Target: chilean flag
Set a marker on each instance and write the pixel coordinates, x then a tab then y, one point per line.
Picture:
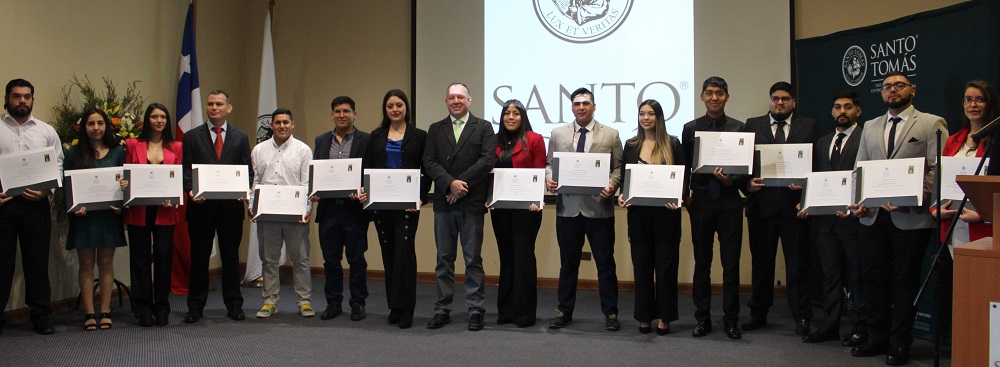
188	115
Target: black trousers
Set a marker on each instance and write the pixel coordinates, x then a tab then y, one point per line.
396	231
150	264
708	217
891	259
344	229
764	234
600	232
516	231
202	233
29	223
655	236
841	261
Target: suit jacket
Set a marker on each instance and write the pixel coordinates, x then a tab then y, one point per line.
630	155
470	160
917	140
822	163
605	140
769	201
200	149
135	153
531	157
414	143
699	182
359	147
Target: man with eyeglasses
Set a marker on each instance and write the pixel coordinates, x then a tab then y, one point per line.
895	238
771	215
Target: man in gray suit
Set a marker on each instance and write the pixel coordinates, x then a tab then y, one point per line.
895	238
458	158
586	215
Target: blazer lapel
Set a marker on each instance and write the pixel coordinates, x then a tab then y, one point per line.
210	144
765	129
794	130
911	121
142	149
598	134
355	144
467	132
880	125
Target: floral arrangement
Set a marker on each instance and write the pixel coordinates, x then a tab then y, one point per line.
124	110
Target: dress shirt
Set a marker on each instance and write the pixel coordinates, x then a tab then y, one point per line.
774	125
847	135
590	135
211	130
33	134
899	127
342	149
465	121
287	164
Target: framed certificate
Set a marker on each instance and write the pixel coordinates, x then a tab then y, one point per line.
220	181
782	164
731	151
826	193
954	166
334	178
34	169
152	184
517	188
896	181
581	173
279	203
392	189
95	189
653	184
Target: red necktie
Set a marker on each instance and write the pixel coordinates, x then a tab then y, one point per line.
218	142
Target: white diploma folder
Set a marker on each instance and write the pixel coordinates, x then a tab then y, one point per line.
392	189
220	181
826	193
783	164
896	181
34	169
334	178
280	203
94	188
581	173
517	188
152	184
653	184
731	151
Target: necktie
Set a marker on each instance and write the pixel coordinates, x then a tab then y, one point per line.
835	156
779	133
457	129
583	140
892	136
714	186
218	142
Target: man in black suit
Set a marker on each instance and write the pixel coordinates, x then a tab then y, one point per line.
714	207
458	158
837	238
343	227
208	218
771	215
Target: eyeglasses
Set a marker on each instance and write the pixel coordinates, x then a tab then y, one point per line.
969	100
897	85
777	99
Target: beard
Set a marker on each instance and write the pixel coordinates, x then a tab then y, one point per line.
19	111
845	123
903	101
781	116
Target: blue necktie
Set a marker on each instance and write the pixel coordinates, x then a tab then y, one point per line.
583	140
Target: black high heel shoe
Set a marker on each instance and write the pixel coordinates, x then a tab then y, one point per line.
406	319
663	331
645	329
86	322
105	325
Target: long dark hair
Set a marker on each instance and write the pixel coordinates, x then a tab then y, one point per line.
144	135
385	116
86	152
503	136
662	153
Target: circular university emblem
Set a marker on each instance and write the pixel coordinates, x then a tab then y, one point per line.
854	66
582	21
264	128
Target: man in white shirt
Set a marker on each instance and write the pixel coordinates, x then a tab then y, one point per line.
26	218
284	160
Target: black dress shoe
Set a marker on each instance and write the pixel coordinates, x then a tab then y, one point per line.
503	320
802	327
645	329
611	323
145	320
394	315
523	322
236	314
755	323
358	313
331	312
733	332
663	331
405	319
438	321
820	336
855	339
44	327
476	322
161	320
193	316
869	349
897	355
562	320
702	329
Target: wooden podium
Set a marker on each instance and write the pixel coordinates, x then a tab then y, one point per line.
977	277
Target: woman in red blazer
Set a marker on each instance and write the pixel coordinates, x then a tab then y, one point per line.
151	229
516	229
980	106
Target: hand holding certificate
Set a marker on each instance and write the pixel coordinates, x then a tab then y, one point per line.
517	188
334	178
783	164
153	184
581	173
953	166
278	203
94	189
220	181
653	184
731	151
392	189
826	193
34	169
896	181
